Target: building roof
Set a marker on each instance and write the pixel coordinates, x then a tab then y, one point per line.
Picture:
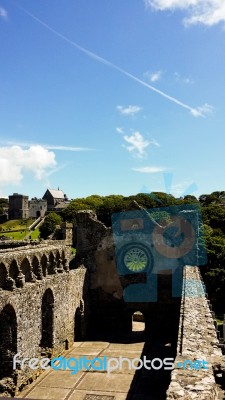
57	194
61	205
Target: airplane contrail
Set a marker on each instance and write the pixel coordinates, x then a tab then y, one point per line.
197	112
46	146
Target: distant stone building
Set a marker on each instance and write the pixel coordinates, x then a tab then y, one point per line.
56	199
37	208
18	206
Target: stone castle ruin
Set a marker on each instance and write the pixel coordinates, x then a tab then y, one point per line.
48	300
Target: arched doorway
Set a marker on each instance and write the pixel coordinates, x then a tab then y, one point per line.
138	322
47	320
8	342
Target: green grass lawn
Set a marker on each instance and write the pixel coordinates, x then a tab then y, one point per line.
16	224
14	235
35	234
21	234
18	229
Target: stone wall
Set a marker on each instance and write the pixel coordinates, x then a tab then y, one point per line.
11	244
109	312
197	340
43	307
30	263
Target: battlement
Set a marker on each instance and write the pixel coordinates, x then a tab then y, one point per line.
30	263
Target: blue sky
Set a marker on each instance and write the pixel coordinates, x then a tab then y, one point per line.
112	97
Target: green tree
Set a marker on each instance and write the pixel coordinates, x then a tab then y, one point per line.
49	224
88	203
215	283
189	199
214	216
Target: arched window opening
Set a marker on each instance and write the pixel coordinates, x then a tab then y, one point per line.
26	270
13	270
47	320
3	276
36	268
8	341
44	265
51	266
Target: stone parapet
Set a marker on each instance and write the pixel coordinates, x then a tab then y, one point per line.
31	263
197	340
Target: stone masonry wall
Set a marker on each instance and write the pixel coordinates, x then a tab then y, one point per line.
39	300
197	341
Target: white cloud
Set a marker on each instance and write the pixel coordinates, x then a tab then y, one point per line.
3	13
137	144
202	110
154	76
15	161
130	110
149	169
119	129
181	79
207	12
153	141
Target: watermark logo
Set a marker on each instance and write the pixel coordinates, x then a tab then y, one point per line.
153	241
104	364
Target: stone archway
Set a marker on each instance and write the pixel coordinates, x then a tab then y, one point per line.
8	348
51	264
13	270
44	265
58	262
47	320
26	270
36	268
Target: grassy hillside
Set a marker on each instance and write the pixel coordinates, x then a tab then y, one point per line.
17	229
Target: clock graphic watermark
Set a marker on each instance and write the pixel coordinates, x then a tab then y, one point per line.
154	241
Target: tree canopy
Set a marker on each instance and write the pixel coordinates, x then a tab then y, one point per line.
51	221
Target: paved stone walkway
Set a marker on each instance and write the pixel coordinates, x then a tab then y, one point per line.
90	385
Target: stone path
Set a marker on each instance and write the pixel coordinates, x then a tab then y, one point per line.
120	384
89	385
